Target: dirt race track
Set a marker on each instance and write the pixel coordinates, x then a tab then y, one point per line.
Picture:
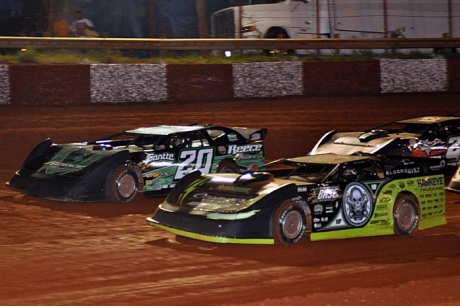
54	253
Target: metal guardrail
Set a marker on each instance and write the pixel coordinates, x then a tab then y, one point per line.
224	44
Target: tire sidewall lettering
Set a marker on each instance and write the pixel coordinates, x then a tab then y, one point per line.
414	226
121	174
416	219
281	219
283	215
120	177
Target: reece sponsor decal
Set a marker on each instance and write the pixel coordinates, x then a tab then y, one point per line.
234	149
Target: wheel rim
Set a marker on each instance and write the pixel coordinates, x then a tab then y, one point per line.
126	186
292	224
406	216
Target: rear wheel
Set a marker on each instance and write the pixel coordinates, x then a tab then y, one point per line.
227	166
123	184
405	215
289	223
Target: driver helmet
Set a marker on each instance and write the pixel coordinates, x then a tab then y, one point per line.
178	142
350	173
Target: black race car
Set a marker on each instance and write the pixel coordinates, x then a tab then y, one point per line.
430	136
334	196
149	159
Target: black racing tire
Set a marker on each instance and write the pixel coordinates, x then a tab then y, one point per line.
289	223
123	184
405	214
227	166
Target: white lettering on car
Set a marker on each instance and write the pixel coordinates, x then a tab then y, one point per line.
234	149
453	145
194	160
162	156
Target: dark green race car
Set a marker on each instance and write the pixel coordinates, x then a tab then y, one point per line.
148	159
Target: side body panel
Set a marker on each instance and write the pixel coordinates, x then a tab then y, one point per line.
430	195
169	168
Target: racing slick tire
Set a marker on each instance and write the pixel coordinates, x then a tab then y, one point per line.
227	166
405	215
290	223
123	184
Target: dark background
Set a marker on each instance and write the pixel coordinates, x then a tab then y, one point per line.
117	18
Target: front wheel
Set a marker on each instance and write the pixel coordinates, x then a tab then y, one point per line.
289	223
123	184
405	215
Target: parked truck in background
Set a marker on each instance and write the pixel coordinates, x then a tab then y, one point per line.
339	19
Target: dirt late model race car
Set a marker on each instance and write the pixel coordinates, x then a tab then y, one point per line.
148	159
429	136
330	196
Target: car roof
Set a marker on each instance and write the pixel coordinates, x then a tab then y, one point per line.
428	119
165	129
328	159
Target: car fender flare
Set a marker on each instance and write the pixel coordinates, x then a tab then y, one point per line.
108	163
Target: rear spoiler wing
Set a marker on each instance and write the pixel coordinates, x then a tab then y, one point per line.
258	135
252	134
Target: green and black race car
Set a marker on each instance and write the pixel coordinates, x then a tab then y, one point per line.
333	196
149	159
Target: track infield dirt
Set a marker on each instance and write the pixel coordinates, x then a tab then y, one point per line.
55	253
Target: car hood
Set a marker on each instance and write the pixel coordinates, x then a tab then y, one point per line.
74	159
348	143
226	193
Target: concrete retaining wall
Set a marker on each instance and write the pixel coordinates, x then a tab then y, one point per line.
114	83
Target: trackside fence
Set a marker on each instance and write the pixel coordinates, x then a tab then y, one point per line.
228	44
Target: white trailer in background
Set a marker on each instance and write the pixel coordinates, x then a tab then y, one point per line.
339	19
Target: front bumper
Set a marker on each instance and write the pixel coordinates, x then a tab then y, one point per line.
61	188
254	230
